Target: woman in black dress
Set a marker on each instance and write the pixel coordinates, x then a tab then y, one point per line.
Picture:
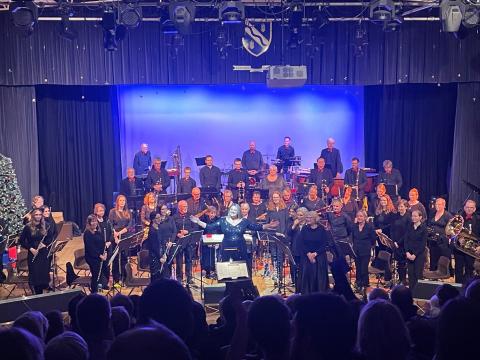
401	220
35	238
415	242
159	242
105	228
120	219
438	243
313	240
364	238
95	250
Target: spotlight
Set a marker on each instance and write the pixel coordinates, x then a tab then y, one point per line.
361	40
167	25
231	12
65	28
182	13
451	15
382	10
130	13
24	15
320	18
112	33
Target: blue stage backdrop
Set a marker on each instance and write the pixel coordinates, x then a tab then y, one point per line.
220	120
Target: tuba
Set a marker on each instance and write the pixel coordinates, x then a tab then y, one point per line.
462	238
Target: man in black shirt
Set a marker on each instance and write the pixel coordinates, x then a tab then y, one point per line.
463	262
332	158
258	209
157	179
252	160
357	179
390	176
322	177
130	186
186	184
285	153
184	228
237	178
210	175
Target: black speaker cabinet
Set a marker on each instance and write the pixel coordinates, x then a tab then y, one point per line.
10	309
425	289
212	294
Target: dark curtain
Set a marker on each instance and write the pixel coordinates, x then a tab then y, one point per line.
78	141
412	125
416	53
466	147
18	136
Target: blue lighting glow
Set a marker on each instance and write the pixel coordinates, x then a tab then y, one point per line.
220	120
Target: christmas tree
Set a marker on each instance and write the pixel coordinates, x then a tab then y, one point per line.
12	205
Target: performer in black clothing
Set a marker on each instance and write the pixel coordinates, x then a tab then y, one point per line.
383	219
312	201
415	242
252	161
157	179
340	223
131	186
289	200
161	235
142	160
414	204
350	206
49	222
95	250
186	183
401	221
258	209
294	233
321	176
226	203
210	175
313	239
105	228
184	227
463	262
208	251
37	203
332	158
196	205
374	199
438	243
390	176
285	153
364	238
35	238
237	179
120	219
357	179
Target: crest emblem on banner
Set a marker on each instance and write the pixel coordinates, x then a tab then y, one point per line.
257	37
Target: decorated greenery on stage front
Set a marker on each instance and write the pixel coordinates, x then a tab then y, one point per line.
12	205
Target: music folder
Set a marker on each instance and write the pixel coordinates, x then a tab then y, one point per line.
231	270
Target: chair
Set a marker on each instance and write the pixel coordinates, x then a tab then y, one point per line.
143	265
134	282
22	261
15	280
442	272
80	264
383	256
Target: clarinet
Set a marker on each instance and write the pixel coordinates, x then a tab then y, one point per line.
104	251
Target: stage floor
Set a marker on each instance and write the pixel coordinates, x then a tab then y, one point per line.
264	284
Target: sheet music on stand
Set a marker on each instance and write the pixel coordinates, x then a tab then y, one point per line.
273	238
231	270
192	238
386	241
124	244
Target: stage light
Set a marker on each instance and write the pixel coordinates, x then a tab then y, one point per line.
451	15
130	13
471	16
295	25
24	15
65	29
320	18
182	13
231	12
382	10
361	40
112	33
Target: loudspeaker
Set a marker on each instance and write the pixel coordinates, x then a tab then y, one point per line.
425	289
212	294
12	308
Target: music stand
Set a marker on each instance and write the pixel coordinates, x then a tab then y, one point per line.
231	270
200	161
56	247
346	248
392	190
283	249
